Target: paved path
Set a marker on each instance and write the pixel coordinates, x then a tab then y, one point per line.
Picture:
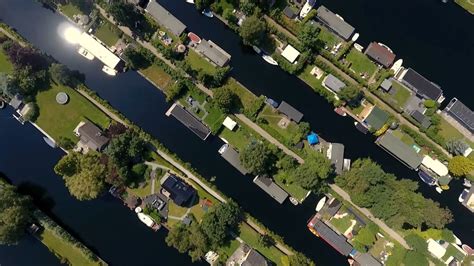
11	36
179	218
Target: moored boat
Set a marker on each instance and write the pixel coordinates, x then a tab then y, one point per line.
294	201
340	111
426	178
194	37
109	71
467	183
320	204
256	49
270	60
85	54
463	195
50	142
468	249
190	1
208	13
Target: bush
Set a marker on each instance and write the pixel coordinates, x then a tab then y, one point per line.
33	113
66	143
254	108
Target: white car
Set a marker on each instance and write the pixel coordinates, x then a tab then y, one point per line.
109	71
85	54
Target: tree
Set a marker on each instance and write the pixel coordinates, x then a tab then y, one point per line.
125	14
220	221
27	81
460	166
456	147
300	259
253	30
351	94
188	239
32	113
257	158
415	258
429	103
175	90
228	15
248	7
15	214
202	4
417	243
311	174
69	165
61	74
224	98
286	163
365	237
308	37
266	241
137	58
65	143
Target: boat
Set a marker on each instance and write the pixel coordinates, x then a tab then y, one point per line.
208	13
468	249
340	111
256	49
383	45
355	37
307	8
2	104
358	47
85	54
457	240
269	60
426	178
194	37
146	219
438	189
190	1
50	142
463	195
294	201
321	203
346	164
467	183
363	129
397	66
109	71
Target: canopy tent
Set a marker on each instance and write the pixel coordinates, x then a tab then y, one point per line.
313	138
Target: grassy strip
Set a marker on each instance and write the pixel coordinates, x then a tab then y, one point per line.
251	237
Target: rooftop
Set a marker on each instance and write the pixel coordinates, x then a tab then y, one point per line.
336	154
421	85
338	242
96	48
271	188
213	52
335	22
290	53
229	123
164	18
290	111
386	85
334	83
190	121
435	165
380	54
461	113
91	136
16	102
421	118
400	150
377	118
469	201
246	256
232	156
180	192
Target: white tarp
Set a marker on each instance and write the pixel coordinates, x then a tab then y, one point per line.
435	165
290	53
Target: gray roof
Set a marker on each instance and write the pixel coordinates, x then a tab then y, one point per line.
377	118
232	156
254	259
421	118
92	136
337	157
165	18
386	85
334	22
467	199
380	54
400	150
461	113
190	121
290	111
337	241
213	52
288	11
16	102
365	259
421	85
334	83
271	188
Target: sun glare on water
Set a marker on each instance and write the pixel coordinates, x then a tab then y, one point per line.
71	34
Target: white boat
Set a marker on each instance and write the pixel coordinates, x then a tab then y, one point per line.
463	195
85	54
397	65
320	204
355	37
146	219
383	45
457	240
208	13
467	183
358	47
270	60
438	189
307	8
256	49
294	201
190	1
109	71
50	142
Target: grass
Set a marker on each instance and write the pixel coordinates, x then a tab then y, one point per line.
214	118
175	210
5	65
286	134
294	190
402	94
64	250
360	63
342	224
240	137
246	97
108	33
70	10
452	251
310	79
158	76
448	132
198	62
466	4
329	38
251	237
145	190
60	120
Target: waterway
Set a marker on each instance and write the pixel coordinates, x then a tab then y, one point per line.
145	105
110	229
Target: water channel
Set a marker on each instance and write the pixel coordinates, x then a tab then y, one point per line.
145	105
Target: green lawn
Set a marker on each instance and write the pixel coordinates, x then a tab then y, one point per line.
310	79
175	210
329	38
251	237
452	251
360	63
449	132
401	95
286	135
70	10
64	250
246	97
294	190
214	118
5	64
228	248
466	4
240	137
60	120
197	62
145	190
108	33
342	224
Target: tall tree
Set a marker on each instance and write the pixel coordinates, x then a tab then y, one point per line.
219	222
253	30
224	98
308	37
257	158
61	74
460	166
202	4
300	259
351	95
311	174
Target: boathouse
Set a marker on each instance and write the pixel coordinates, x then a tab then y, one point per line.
213	52
376	119
178	190
90	136
232	157
461	113
272	189
380	54
335	153
334	84
165	18
290	112
335	23
290	53
337	241
421	85
400	150
189	120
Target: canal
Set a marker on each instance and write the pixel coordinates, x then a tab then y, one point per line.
110	229
144	105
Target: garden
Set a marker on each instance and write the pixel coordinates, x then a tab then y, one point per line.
360	63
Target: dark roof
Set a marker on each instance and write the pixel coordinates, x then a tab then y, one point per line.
338	242
421	85
461	113
196	126
288	11
290	111
334	22
337	156
400	150
386	84
377	118
365	259
333	83
180	192
232	156
333	207
213	52
92	136
271	188
421	118
164	18
254	259
362	128
380	54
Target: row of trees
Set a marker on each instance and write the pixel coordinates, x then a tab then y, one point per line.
370	187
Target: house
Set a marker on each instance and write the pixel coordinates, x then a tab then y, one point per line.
213	52
421	85
424	121
461	113
386	85
178	190
400	150
290	112
333	83
232	157
229	123
165	18
100	51
289	13
335	153
365	259
380	54
337	241
335	23
159	202
317	72
376	119
90	136
246	256
272	189
290	53
189	120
